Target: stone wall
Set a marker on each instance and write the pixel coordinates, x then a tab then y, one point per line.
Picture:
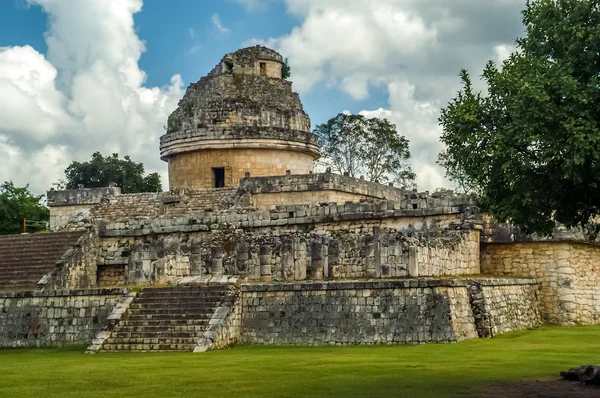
568	272
72	203
195	169
111	275
312	189
77	268
498	305
270	201
37	319
457	254
390	312
176	203
264	256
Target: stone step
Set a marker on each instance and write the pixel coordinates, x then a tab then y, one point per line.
134	317
197	328
127	334
180	296
177	300
184	289
41	236
25	266
155	340
163	322
183	307
147	347
176	307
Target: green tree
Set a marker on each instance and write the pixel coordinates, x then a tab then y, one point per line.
530	146
18	203
286	70
358	145
100	170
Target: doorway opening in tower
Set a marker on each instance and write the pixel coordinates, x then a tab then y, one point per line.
219	176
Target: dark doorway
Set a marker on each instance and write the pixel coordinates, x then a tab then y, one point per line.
219	173
263	69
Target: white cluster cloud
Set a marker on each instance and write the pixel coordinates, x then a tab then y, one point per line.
88	94
414	49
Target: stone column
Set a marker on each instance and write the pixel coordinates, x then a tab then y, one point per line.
287	259
413	264
317	263
216	263
265	263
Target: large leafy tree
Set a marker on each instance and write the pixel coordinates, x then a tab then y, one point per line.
17	203
530	146
372	147
101	170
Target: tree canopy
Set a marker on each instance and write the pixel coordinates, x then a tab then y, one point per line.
530	145
286	70
100	170
372	147
17	203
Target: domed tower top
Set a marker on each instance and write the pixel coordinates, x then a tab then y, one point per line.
241	118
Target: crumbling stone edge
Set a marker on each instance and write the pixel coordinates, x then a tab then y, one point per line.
223	328
113	321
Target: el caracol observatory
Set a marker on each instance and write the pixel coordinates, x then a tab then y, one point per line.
241	119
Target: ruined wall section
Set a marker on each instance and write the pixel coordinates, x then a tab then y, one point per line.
355	240
381	312
69	205
54	318
498	305
222	103
268	193
176	203
247	61
289	257
77	268
568	273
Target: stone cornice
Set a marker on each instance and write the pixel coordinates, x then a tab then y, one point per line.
176	146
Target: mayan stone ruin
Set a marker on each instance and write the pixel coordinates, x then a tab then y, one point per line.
252	245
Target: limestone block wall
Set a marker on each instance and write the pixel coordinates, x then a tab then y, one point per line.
194	169
177	203
270	201
54	318
62	215
67	204
77	268
438	257
569	275
380	312
260	256
498	305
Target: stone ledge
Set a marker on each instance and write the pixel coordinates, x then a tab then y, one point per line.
390	284
65	293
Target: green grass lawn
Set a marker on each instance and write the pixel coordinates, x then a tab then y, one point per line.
261	371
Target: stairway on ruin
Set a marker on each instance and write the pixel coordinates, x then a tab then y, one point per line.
166	319
25	259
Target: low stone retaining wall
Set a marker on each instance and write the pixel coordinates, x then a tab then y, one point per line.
568	273
503	305
36	319
384	312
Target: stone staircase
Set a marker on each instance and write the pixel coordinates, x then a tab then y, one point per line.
25	259
166	319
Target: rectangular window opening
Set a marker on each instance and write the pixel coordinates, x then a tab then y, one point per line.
219	174
263	69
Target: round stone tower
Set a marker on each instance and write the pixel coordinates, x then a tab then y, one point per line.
240	118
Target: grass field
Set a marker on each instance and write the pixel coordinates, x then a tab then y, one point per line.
260	371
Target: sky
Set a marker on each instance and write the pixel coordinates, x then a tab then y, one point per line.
79	76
